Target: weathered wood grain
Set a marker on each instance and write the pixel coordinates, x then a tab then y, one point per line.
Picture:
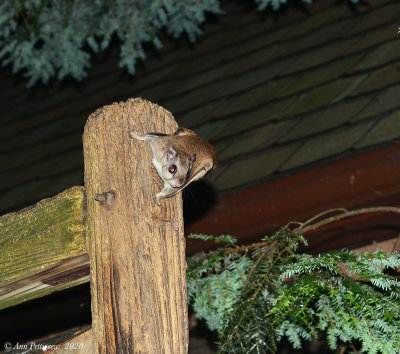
136	247
38	237
66	274
40	242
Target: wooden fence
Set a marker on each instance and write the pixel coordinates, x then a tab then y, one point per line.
135	247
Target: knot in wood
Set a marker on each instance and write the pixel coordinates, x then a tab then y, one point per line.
106	198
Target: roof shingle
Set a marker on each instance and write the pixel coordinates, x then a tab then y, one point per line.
274	94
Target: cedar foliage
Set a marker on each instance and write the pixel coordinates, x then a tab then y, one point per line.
255	295
44	39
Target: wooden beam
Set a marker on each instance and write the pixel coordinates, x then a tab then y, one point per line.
66	274
388	246
370	179
136	247
81	343
39	242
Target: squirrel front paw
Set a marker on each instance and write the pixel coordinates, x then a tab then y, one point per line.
136	135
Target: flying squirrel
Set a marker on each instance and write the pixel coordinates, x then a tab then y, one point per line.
179	158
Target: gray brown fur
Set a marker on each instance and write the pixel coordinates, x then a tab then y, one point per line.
192	155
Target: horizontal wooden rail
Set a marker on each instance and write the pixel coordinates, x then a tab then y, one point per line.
43	248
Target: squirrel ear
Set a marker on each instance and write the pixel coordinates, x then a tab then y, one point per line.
171	153
180	131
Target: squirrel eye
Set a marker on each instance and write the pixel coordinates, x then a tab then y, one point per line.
172	169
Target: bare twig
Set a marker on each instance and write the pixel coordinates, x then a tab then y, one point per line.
318	216
259	259
396	246
311	225
22	13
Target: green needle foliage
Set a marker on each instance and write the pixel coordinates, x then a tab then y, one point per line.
255	295
44	38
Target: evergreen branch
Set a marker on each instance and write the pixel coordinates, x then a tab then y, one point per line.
253	297
45	38
257	294
259	259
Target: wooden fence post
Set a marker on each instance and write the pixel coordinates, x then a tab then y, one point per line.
136	247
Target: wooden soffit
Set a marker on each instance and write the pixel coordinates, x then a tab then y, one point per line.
370	179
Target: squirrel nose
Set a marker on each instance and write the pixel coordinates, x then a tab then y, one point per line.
178	182
181	181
